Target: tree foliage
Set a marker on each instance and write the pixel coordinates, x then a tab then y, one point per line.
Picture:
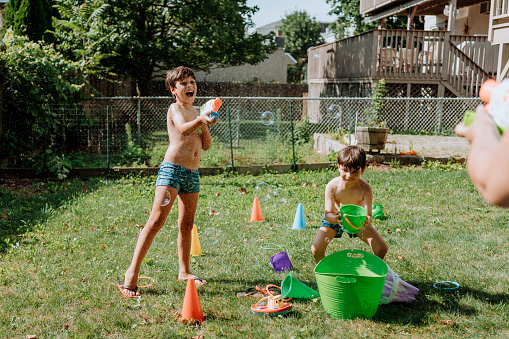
141	37
29	17
351	21
301	32
82	34
33	77
348	12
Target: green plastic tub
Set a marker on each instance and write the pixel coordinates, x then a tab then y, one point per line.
350	283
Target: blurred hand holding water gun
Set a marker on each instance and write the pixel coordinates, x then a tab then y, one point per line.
496	97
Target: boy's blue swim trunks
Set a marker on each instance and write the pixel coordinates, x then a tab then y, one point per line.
337	228
183	179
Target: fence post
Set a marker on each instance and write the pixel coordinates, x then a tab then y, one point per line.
237	137
349	126
231	140
340	115
138	119
108	137
440	109
294	166
45	143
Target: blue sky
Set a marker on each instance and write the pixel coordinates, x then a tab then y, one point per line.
274	10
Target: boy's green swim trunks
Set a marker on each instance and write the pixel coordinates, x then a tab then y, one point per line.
338	229
181	178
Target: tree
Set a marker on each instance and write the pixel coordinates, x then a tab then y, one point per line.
29	17
348	12
81	34
34	77
349	16
150	35
300	32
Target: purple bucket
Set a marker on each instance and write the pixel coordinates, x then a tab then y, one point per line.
281	262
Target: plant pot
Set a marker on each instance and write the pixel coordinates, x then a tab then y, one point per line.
371	138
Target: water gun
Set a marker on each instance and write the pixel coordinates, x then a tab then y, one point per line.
496	97
213	105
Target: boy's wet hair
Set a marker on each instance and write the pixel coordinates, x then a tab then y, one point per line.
177	74
352	157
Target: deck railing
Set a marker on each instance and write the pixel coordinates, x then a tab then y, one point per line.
460	63
499	21
410	54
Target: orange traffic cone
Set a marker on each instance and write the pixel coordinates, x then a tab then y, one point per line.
256	214
195	243
192	307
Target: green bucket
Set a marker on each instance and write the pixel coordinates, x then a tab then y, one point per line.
352	216
350	283
378	212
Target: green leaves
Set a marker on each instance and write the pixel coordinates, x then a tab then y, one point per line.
348	12
33	75
146	35
300	32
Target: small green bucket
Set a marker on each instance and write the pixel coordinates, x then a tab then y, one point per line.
352	216
350	283
378	212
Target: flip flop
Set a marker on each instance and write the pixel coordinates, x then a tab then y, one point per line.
198	281
122	289
251	292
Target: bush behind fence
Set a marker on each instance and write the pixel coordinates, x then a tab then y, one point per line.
99	125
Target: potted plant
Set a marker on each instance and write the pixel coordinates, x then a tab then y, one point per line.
374	135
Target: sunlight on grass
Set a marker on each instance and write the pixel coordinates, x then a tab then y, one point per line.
65	245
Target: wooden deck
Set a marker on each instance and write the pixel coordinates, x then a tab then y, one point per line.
459	63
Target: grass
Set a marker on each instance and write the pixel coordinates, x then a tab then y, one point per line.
64	246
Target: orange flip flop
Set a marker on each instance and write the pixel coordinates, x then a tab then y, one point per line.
122	289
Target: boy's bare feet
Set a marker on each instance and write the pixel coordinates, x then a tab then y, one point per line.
185	276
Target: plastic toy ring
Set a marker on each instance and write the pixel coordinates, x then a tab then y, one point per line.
152	279
270	246
447	285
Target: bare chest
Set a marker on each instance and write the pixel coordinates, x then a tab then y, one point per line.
189	114
350	196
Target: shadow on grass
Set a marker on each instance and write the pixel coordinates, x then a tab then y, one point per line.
416	313
449	301
26	203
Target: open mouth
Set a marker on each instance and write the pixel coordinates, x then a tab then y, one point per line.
189	94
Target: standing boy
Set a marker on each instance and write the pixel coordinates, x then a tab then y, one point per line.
348	188
178	175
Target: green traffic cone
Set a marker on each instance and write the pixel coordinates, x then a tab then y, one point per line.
291	287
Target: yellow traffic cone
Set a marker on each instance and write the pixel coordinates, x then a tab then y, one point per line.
195	243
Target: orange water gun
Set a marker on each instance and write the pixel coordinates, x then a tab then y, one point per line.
211	105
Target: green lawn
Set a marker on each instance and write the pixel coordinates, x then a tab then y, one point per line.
65	245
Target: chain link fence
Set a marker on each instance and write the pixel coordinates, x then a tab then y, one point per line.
250	131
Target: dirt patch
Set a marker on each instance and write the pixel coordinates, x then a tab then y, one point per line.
380	168
428	145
